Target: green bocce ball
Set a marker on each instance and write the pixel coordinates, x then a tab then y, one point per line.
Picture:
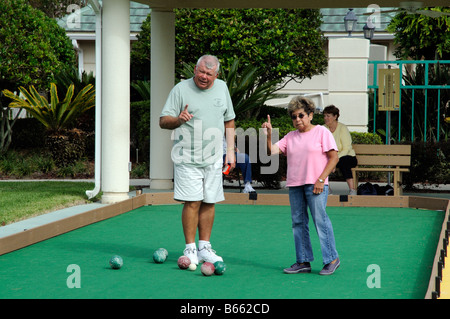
165	251
116	262
159	256
220	267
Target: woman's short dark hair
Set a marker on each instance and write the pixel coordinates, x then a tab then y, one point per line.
331	109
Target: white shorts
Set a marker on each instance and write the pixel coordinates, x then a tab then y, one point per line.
198	183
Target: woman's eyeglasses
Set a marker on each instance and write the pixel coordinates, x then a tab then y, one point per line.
300	116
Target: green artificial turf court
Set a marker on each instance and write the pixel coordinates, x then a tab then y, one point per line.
256	244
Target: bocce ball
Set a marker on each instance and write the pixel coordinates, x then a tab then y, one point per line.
165	251
184	262
220	267
207	269
192	267
159	256
116	262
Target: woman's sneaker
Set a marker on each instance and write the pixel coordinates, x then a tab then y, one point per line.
208	254
248	188
191	253
298	268
330	268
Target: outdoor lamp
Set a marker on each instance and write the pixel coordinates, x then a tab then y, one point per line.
368	29
350	22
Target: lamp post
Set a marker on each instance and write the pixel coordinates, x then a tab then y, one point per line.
350	22
368	29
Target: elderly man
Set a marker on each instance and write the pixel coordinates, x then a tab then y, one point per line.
198	110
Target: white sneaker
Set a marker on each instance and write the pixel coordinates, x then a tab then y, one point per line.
191	254
352	192
248	188
208	254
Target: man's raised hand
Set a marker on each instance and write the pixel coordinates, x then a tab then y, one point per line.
184	115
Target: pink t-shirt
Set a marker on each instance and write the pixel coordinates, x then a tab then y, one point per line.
306	154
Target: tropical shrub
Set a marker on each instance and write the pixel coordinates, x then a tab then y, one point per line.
418	36
65	142
56	115
142	88
86	120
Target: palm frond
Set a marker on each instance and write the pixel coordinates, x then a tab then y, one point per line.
56	115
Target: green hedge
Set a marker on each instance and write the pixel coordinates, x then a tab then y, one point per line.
365	138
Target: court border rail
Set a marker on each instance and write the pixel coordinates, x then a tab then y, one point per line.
40	233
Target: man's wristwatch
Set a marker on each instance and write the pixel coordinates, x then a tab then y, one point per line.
321	180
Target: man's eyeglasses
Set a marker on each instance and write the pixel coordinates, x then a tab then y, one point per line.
300	116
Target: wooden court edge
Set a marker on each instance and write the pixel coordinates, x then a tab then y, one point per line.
52	229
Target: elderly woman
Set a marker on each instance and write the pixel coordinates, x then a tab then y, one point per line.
311	156
346	154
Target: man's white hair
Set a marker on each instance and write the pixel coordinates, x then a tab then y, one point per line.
211	62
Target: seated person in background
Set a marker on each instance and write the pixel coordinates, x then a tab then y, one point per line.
341	134
243	163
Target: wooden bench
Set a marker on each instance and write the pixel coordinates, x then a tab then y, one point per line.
383	158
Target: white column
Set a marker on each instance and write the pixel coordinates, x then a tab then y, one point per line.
377	53
116	100
347	80
162	81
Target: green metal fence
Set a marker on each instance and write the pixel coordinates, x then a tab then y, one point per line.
435	83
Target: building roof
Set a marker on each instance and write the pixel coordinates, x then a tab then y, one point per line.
333	19
138	13
244	4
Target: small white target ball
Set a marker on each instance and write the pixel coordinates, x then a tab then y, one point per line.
192	267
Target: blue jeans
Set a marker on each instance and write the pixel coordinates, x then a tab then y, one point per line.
243	163
300	198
